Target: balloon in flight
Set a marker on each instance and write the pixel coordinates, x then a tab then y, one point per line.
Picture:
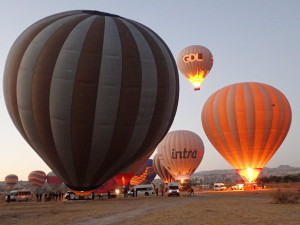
161	171
195	62
181	152
11	180
90	92
246	123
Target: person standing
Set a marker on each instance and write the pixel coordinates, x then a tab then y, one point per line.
156	191
162	191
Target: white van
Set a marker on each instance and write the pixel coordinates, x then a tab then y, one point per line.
144	189
173	189
219	187
18	195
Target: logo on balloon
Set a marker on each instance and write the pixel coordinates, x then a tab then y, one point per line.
186	154
193	57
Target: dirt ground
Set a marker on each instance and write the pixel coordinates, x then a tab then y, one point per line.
218	208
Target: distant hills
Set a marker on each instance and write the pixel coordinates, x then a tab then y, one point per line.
231	176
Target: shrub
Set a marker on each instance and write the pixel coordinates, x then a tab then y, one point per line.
285	197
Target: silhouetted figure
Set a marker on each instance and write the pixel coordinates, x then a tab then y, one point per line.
156	191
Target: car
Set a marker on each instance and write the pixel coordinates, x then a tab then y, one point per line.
173	189
219	187
70	195
238	187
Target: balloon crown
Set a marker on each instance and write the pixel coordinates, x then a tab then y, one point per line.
95	12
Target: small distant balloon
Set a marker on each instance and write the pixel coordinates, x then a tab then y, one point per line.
37	179
195	62
54	181
11	180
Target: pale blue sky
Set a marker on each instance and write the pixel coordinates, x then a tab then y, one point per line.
255	40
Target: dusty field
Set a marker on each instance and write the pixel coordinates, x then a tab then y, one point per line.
221	208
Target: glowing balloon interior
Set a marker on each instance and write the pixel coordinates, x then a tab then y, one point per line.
181	152
195	62
246	123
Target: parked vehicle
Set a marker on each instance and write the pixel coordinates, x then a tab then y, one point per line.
18	195
219	187
238	187
173	189
145	189
70	195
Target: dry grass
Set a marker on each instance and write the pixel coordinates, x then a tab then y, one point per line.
220	208
286	196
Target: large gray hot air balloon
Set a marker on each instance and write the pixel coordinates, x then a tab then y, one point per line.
90	92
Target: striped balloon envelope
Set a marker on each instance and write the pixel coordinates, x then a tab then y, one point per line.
161	171
90	92
246	123
54	181
11	180
37	179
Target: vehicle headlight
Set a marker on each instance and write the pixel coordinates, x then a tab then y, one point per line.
170	191
117	191
177	190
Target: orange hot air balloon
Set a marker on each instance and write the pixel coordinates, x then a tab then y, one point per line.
246	123
181	152
161	171
195	62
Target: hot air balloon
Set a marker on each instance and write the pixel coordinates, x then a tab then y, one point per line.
145	175
54	181
161	171
195	62
107	186
11	180
181	152
37	179
246	123
123	178
90	92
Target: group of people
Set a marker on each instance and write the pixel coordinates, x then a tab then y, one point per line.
49	197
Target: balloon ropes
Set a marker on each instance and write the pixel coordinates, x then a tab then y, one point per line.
195	62
246	123
90	92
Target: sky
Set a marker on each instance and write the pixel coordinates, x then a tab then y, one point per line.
255	41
